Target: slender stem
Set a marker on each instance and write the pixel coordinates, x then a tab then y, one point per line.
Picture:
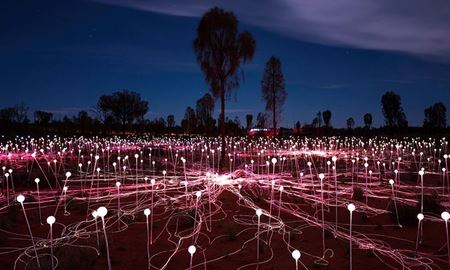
31	235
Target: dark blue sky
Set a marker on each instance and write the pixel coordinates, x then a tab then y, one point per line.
62	55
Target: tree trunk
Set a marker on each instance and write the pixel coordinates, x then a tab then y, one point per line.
274	123
222	120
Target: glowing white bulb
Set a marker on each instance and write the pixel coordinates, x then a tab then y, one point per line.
94	214
445	216
258	212
296	255
321	176
68	174
334	160
20	198
192	249
420	216
351	207
274	160
391	182
37	180
421	173
51	220
136	155
118	184
102	211
147	212
198	194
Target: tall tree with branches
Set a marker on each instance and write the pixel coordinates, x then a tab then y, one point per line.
272	88
220	50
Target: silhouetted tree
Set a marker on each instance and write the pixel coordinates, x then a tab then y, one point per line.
204	109
317	121
220	50
298	125
84	122
272	88
326	115
435	116
249	121
393	111
42	117
350	123
367	120
170	121
7	114
14	118
126	107
189	122
21	113
261	120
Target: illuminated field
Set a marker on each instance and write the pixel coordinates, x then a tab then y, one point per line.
175	203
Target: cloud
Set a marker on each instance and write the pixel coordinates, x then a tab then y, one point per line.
416	27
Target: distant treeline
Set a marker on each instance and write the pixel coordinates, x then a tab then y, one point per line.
122	113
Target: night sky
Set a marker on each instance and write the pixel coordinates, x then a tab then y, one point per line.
60	56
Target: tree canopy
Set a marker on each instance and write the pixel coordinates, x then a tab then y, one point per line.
125	106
